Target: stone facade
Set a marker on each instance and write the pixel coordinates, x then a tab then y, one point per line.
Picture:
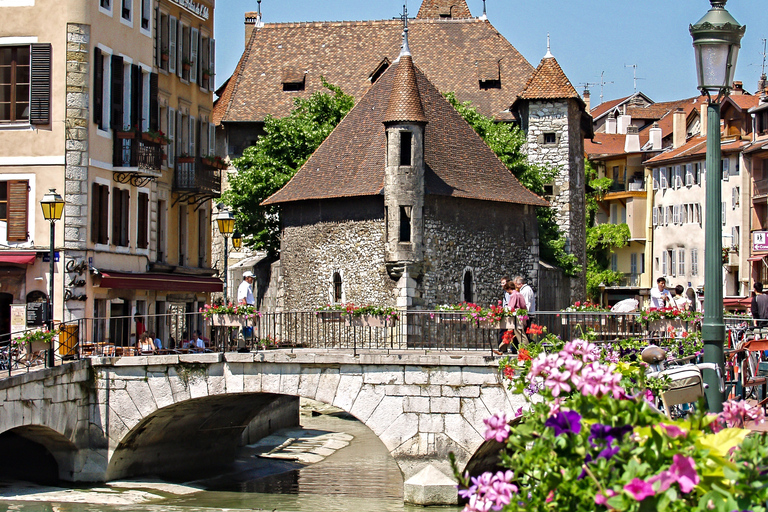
554	140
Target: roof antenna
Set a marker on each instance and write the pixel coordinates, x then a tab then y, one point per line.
484	16
549	54
259	23
634	74
763	54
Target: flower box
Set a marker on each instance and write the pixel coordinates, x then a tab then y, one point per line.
216	163
370	321
186	159
330	316
36	346
145	137
228	320
125	135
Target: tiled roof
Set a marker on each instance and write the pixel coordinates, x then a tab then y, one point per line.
346	53
607	144
549	82
444	8
667	120
404	100
606	106
745	101
694	147
351	161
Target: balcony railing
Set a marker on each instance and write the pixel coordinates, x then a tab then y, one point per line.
194	177
137	153
761	188
631	279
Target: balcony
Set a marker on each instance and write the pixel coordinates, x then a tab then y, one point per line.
136	161
194	181
761	189
631	280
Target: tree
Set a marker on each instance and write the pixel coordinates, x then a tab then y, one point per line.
265	167
507	140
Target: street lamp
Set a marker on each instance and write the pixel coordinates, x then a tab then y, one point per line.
716	42
237	240
601	286
226	222
53	206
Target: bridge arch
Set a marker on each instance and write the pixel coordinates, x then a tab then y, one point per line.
36	453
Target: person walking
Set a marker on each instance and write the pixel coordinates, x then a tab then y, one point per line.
759	306
660	296
515	302
504	303
245	296
527	292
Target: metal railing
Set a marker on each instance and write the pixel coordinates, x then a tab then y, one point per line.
147	156
192	177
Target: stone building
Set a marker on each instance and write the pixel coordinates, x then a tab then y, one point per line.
404	205
129	242
458	52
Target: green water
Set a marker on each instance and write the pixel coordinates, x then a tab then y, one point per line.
360	477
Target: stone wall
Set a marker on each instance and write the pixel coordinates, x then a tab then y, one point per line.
492	239
321	238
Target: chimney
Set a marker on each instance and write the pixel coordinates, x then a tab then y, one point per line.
738	87
622	123
678	128
654	134
762	84
703	120
632	140
610	123
585	97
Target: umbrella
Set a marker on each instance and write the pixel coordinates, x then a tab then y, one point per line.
625	306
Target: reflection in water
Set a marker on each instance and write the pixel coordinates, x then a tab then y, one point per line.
361	477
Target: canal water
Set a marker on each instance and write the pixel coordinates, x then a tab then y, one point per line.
359	477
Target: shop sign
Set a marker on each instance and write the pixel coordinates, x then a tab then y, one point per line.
36	313
47	257
195	8
760	240
18	319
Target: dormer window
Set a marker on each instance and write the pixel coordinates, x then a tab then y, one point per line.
405	148
293	79
380	69
488	74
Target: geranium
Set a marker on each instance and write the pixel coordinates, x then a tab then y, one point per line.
350	309
585	306
497	427
244	310
655	314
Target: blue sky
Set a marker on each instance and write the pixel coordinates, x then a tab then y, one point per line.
588	37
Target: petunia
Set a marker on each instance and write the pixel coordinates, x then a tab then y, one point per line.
497	428
672	431
564	422
639	489
684	469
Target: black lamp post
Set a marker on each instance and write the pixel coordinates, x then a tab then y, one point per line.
716	42
53	206
237	240
226	222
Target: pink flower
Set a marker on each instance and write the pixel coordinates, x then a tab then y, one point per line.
497	428
601	498
673	431
558	382
684	469
639	489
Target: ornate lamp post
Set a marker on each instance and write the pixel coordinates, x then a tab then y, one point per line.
53	206
226	222
716	42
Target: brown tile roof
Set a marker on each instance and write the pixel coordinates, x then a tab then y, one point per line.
346	53
606	106
351	161
607	144
444	8
694	147
666	121
744	101
404	100
549	82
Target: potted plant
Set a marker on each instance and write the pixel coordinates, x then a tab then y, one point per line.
207	74
186	64
268	343
164	55
127	132
154	137
360	316
36	341
184	158
230	314
214	161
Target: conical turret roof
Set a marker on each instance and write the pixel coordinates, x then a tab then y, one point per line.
548	82
404	99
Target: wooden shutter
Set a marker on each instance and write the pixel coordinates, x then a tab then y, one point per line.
172	45
180	49
194	44
211	62
211	139
125	202
98	87
136	96
116	110
143	218
116	212
40	84
95	211
171	136
154	107
18	199
103	214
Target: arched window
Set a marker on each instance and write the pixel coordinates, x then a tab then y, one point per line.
336	287
468	295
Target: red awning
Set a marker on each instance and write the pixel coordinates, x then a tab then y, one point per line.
20	258
732	302
161	282
757	257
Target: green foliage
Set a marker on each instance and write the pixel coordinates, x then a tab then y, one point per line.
597	275
507	140
268	165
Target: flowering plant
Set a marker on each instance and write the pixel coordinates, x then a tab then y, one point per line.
158	136
268	342
246	310
586	443
39	335
653	314
493	313
585	306
352	310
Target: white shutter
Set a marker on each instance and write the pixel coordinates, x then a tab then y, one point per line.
655	216
171	136
656	179
673	270
179	133
676	214
211	63
688	175
180	49
172	45
664	263
194	43
211	139
192	140
681	261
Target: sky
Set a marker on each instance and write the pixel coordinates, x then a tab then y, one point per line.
594	41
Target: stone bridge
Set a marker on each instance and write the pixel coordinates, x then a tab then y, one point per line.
108	418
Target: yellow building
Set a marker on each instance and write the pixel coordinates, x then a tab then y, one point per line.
86	96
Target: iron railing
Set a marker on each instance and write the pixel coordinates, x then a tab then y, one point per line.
137	153
192	177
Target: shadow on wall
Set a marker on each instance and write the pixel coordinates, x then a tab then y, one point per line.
27	454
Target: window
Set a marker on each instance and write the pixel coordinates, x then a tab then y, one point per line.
722	212
724	168
615	262
467	286
171	134
735	237
194	44
405	148
14	201
172	53
676	214
694	262
405	224
688	175
734	197
99	213
678	177
655	216
656	179
663	177
146	9
614	213
633	263
142	239
697	172
550	138
671	257
337	296
182	235
25	84
162	42
681	262
105	4
735	170
664	256
120	216
126	11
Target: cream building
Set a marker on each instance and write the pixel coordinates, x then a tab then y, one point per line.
85	96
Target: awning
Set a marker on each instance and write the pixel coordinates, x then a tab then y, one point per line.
757	257
18	257
732	302
160	282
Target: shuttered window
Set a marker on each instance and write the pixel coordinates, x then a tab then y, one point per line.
172	27
154	106
142	241
98	88
99	213
212	64
40	86
136	96
120	216
14	205
14	83
194	45
116	109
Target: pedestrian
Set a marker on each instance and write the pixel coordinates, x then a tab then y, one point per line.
245	296
759	306
516	301
504	303
527	292
660	296
681	301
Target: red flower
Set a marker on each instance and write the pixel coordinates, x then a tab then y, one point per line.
509	372
523	355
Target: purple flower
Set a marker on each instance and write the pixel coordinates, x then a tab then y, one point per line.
564	422
639	489
497	428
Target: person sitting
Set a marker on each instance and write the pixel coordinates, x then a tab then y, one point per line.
146	344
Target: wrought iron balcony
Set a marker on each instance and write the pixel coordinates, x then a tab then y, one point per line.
137	153
194	181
